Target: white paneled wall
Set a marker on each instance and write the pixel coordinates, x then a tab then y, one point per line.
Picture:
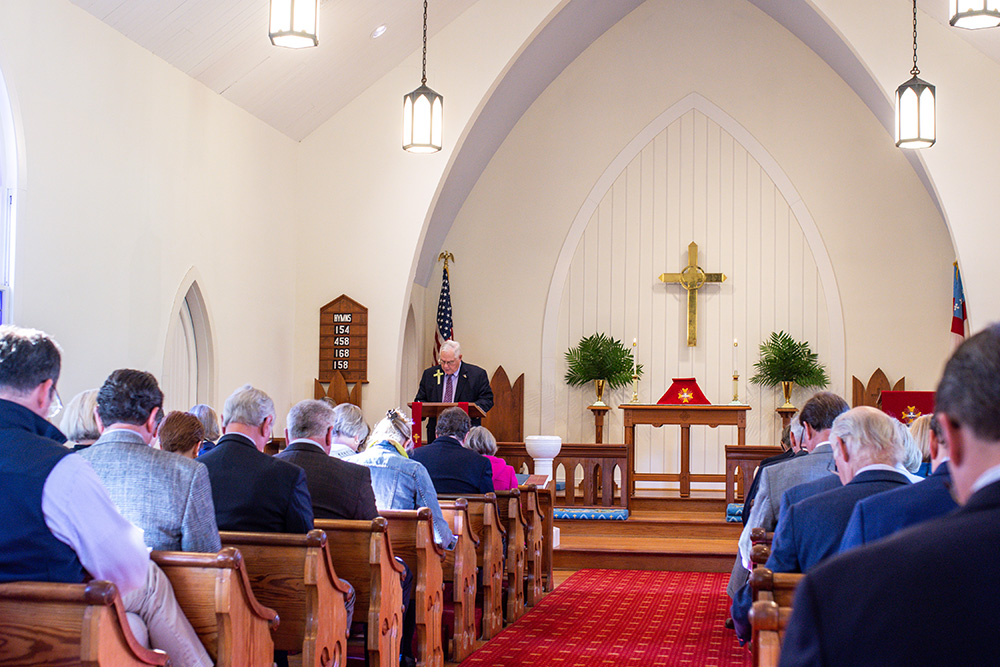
692	182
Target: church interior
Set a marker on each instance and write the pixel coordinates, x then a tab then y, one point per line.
182	197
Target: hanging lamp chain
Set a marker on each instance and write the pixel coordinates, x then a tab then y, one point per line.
915	71
423	77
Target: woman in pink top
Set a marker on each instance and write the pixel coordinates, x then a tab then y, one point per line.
482	441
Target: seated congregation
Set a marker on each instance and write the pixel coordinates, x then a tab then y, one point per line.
848	558
193	545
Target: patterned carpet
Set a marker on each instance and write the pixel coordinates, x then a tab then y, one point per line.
622	617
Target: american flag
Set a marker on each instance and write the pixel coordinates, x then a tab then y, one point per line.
444	329
958	316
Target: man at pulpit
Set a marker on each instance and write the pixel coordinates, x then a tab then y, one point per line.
454	381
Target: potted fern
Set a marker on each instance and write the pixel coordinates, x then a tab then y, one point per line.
786	361
602	360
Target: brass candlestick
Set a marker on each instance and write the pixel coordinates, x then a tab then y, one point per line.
635	388
736	388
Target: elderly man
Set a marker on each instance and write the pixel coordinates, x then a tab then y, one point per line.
62	524
166	495
454	381
251	490
886	513
926	595
791	443
349	430
339	490
817	417
452	467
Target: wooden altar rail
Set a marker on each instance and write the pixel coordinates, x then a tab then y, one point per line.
745	459
597	487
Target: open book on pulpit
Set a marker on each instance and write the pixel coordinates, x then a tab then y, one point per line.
684	391
420	411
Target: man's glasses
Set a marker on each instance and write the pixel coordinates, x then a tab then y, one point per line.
56	406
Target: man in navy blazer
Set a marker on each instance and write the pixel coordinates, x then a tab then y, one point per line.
887	513
452	467
928	594
868	452
454	381
251	490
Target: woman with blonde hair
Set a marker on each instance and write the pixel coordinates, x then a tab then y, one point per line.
78	422
920	429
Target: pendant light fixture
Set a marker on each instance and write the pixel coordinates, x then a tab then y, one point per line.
294	23
915	122
422	112
975	14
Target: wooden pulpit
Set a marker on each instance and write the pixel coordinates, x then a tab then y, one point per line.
421	411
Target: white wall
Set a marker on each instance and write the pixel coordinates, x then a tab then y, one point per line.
134	176
889	248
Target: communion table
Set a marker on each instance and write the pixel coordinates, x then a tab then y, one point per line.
684	416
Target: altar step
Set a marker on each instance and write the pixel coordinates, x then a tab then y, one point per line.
694	538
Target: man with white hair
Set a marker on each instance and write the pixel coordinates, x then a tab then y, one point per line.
454	381
251	490
928	594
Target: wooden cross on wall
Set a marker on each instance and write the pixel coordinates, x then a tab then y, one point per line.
691	278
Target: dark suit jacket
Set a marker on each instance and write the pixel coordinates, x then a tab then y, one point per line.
924	596
339	490
473	386
455	469
810	531
255	492
890	512
800	492
752	492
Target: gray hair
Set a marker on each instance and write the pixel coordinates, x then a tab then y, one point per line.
453	346
247	406
912	456
309	418
797	429
349	420
209	421
480	440
870	435
78	422
395	426
454	422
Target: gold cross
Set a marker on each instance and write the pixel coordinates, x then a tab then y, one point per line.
691	278
438	375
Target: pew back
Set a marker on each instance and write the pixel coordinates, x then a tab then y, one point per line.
294	575
512	516
363	556
460	570
769	621
214	592
44	623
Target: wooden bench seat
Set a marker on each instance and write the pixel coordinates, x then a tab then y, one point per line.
45	623
214	592
769	620
776	586
363	555
512	516
411	533
293	574
484	518
459	569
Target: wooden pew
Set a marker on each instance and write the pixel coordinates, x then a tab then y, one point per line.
776	586
534	541
294	575
485	521
214	592
512	515
363	555
45	623
546	506
769	621
460	571
411	533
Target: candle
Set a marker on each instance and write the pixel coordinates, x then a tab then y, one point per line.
736	346
635	361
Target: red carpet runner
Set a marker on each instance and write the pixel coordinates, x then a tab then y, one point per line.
622	617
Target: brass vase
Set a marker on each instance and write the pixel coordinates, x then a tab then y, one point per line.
786	388
599	385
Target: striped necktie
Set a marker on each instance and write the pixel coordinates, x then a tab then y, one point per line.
449	389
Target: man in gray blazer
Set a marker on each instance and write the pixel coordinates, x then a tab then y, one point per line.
166	495
817	417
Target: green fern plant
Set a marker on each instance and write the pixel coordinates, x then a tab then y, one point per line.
600	357
784	359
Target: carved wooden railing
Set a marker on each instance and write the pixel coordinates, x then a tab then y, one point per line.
597	487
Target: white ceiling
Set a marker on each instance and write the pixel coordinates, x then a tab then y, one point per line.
224	44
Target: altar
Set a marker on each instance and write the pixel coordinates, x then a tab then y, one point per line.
684	416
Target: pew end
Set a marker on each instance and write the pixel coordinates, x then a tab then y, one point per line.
45	623
460	570
769	621
511	507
